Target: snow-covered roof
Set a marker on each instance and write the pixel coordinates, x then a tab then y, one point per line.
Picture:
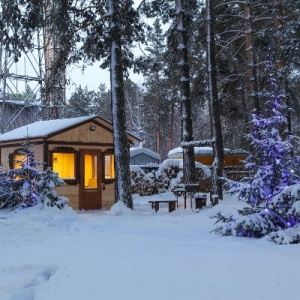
177	152
43	128
17	102
139	150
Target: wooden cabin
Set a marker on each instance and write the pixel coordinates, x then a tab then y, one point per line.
204	155
79	149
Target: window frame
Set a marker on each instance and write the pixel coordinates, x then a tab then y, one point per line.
67	150
11	158
109	152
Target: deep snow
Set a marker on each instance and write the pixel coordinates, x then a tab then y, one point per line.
53	254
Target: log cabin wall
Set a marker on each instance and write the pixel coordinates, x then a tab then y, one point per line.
235	159
229	159
79	138
71	191
84	135
7	151
108	195
204	159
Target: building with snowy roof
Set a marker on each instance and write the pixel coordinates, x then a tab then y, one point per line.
205	156
142	157
79	149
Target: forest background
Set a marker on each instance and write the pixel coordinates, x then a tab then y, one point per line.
245	31
205	75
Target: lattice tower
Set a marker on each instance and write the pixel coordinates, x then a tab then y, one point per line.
33	88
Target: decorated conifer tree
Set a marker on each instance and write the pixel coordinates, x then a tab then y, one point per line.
27	177
273	192
18	186
272	159
26	186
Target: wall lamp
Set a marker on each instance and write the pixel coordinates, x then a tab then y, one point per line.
92	128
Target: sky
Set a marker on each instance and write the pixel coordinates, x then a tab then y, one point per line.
52	254
92	76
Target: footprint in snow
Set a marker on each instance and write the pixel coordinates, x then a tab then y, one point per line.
20	282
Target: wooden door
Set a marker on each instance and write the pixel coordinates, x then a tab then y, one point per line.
90	179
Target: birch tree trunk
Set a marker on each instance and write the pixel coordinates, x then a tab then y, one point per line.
121	147
218	163
189	169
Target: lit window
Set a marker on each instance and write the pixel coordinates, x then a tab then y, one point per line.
109	166
18	160
90	171
64	165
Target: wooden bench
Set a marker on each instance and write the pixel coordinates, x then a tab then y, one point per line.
172	204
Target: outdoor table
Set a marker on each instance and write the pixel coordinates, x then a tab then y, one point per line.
190	189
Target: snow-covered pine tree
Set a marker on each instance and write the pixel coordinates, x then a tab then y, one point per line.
274	191
9	195
272	157
49	180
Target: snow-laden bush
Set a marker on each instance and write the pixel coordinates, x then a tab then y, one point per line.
288	236
172	168
168	176
49	180
279	222
141	183
251	223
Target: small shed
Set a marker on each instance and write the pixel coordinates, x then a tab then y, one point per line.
16	113
205	156
79	149
142	156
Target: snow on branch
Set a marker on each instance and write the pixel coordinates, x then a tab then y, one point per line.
202	143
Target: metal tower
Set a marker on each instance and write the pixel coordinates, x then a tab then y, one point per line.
34	87
20	87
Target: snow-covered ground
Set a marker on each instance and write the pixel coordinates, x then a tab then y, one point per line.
54	254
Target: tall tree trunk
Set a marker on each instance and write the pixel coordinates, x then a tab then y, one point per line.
54	102
171	127
251	57
283	81
279	27
218	163
189	169
121	147
157	137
